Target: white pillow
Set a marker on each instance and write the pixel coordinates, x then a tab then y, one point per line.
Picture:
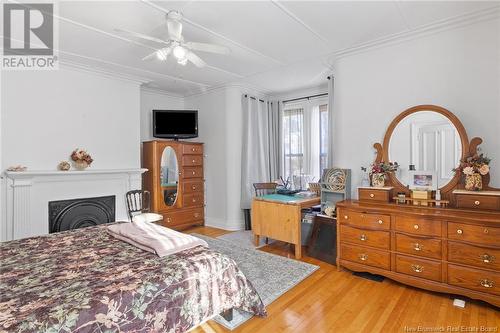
147	217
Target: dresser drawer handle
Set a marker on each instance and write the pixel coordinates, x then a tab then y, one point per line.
194	200
380	221
363	257
196	214
194	173
415	226
486	258
486	231
193	149
346	217
460	231
417	268
372	195
487	283
363	237
194	187
194	161
477	202
418	247
169	219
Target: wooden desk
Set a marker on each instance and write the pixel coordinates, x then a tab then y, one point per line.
279	217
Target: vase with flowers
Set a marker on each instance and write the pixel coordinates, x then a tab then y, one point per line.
81	159
378	172
474	168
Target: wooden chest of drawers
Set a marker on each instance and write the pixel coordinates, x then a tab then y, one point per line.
447	250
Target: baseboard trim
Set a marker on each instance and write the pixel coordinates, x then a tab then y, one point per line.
231	225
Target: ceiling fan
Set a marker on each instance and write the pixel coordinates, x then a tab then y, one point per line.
175	44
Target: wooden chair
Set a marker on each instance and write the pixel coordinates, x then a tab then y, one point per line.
264	188
138	201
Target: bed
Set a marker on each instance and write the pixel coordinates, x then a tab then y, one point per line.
85	280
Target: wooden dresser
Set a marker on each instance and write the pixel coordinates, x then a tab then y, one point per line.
180	198
448	250
449	244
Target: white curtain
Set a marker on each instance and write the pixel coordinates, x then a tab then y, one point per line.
310	139
260	145
331	123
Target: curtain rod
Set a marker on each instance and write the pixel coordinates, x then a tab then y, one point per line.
251	97
306	97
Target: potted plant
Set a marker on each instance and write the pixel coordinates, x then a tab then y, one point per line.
474	168
379	171
81	159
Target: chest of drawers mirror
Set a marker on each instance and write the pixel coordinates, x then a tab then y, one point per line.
453	249
175	181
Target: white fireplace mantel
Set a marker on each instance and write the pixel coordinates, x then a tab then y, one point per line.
28	194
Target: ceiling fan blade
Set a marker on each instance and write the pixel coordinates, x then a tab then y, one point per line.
174	29
164	54
142	36
205	47
150	56
197	61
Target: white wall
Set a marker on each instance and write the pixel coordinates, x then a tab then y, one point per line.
47	114
151	100
457	69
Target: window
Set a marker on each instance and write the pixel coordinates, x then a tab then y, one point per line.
305	140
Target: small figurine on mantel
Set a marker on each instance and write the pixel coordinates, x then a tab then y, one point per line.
474	168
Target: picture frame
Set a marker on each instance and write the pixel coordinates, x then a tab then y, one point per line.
423	180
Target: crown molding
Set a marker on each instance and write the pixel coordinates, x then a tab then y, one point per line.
422	31
241	85
158	91
103	72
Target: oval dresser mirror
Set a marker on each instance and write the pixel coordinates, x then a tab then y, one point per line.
169	176
427	142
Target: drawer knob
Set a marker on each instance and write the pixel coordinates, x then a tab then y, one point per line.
460	231
169	219
194	172
416	227
196	215
380	221
486	258
417	268
363	257
363	237
372	195
346	217
193	149
477	202
194	200
487	283
417	247
194	161
194	187
486	231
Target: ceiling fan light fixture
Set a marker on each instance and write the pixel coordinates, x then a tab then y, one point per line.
179	52
161	55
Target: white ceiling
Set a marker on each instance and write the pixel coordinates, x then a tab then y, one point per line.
275	46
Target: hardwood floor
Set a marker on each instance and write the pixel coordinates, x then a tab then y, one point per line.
332	301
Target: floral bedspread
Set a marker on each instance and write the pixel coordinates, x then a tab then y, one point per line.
87	281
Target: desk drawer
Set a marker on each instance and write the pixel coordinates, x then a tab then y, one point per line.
418	226
366	256
422	268
419	246
474	233
366	220
475	279
474	255
380	239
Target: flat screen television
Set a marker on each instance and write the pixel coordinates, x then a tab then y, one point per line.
175	124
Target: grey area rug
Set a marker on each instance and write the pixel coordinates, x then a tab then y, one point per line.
271	275
244	238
